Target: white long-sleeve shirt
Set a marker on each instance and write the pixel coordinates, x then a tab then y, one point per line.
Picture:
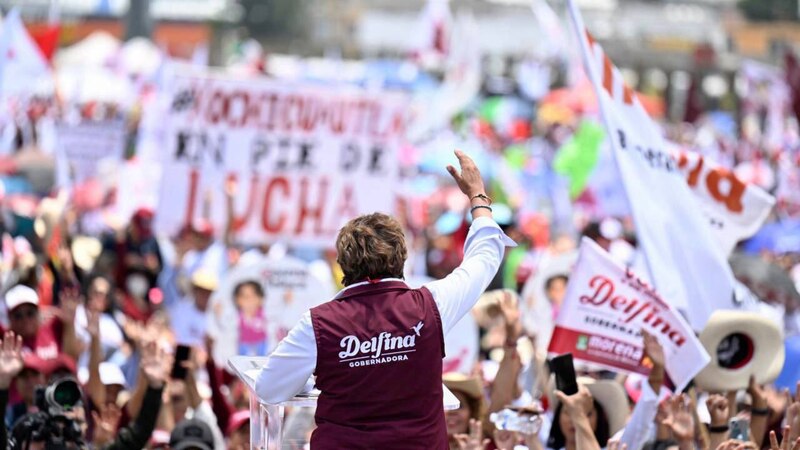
294	359
641	427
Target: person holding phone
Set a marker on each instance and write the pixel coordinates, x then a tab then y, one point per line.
376	348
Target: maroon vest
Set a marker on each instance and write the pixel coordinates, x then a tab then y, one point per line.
379	368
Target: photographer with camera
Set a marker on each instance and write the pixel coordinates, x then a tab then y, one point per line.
59	424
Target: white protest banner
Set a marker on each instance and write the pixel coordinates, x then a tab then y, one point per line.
734	209
251	323
604	311
137	187
684	263
82	146
306	158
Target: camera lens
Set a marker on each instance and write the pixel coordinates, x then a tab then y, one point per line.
65	394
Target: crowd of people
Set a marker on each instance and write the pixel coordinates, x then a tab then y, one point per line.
113	327
117	342
111	334
118	345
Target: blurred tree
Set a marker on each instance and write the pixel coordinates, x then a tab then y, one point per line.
768	10
276	18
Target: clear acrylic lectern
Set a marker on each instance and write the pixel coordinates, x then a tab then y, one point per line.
266	420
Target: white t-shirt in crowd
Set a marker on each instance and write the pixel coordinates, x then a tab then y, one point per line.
188	323
111	336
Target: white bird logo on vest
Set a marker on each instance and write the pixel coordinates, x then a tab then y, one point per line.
417	328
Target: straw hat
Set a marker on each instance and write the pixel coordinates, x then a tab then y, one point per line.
205	279
48	213
609	394
741	343
85	251
487	308
469	386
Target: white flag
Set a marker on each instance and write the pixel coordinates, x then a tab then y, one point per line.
22	65
684	262
434	29
461	84
735	209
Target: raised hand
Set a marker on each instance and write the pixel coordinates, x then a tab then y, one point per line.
469	180
93	323
134	331
155	365
653	350
69	299
663	419
718	409
786	442
793	414
509	307
10	358
576	404
758	393
681	421
473	440
106	424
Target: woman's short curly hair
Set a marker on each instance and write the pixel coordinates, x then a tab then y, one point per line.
371	246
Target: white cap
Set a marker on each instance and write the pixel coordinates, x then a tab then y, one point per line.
611	228
19	295
110	374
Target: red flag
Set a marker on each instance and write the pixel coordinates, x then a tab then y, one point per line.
46	38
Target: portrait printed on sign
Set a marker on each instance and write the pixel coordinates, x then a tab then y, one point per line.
257	304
